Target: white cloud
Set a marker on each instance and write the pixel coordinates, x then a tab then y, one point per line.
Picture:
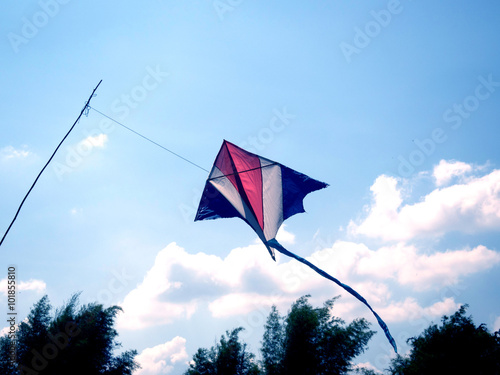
34	285
246	280
410	311
383	211
496	325
160	359
446	170
404	263
470	207
9	152
144	306
241	303
4	331
180	283
98	141
285	237
400	262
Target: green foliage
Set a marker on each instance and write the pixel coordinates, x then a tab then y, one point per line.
307	341
455	347
73	341
203	362
228	357
7	367
311	341
273	343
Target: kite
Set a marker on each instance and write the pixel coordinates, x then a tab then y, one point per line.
263	193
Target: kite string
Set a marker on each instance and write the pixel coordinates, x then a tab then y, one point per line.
48	162
85	111
148	139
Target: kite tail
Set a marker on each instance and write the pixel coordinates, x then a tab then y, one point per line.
382	324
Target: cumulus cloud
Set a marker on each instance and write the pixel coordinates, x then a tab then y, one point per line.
178	282
350	261
241	303
410	311
34	285
161	359
471	206
401	262
405	264
9	152
446	170
181	283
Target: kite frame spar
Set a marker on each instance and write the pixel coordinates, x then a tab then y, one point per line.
242	184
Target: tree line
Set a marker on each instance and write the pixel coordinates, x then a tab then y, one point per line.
77	340
308	340
312	341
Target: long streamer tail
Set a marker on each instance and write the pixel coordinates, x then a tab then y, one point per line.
275	244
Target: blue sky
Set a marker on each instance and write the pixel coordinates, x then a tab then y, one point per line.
393	103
